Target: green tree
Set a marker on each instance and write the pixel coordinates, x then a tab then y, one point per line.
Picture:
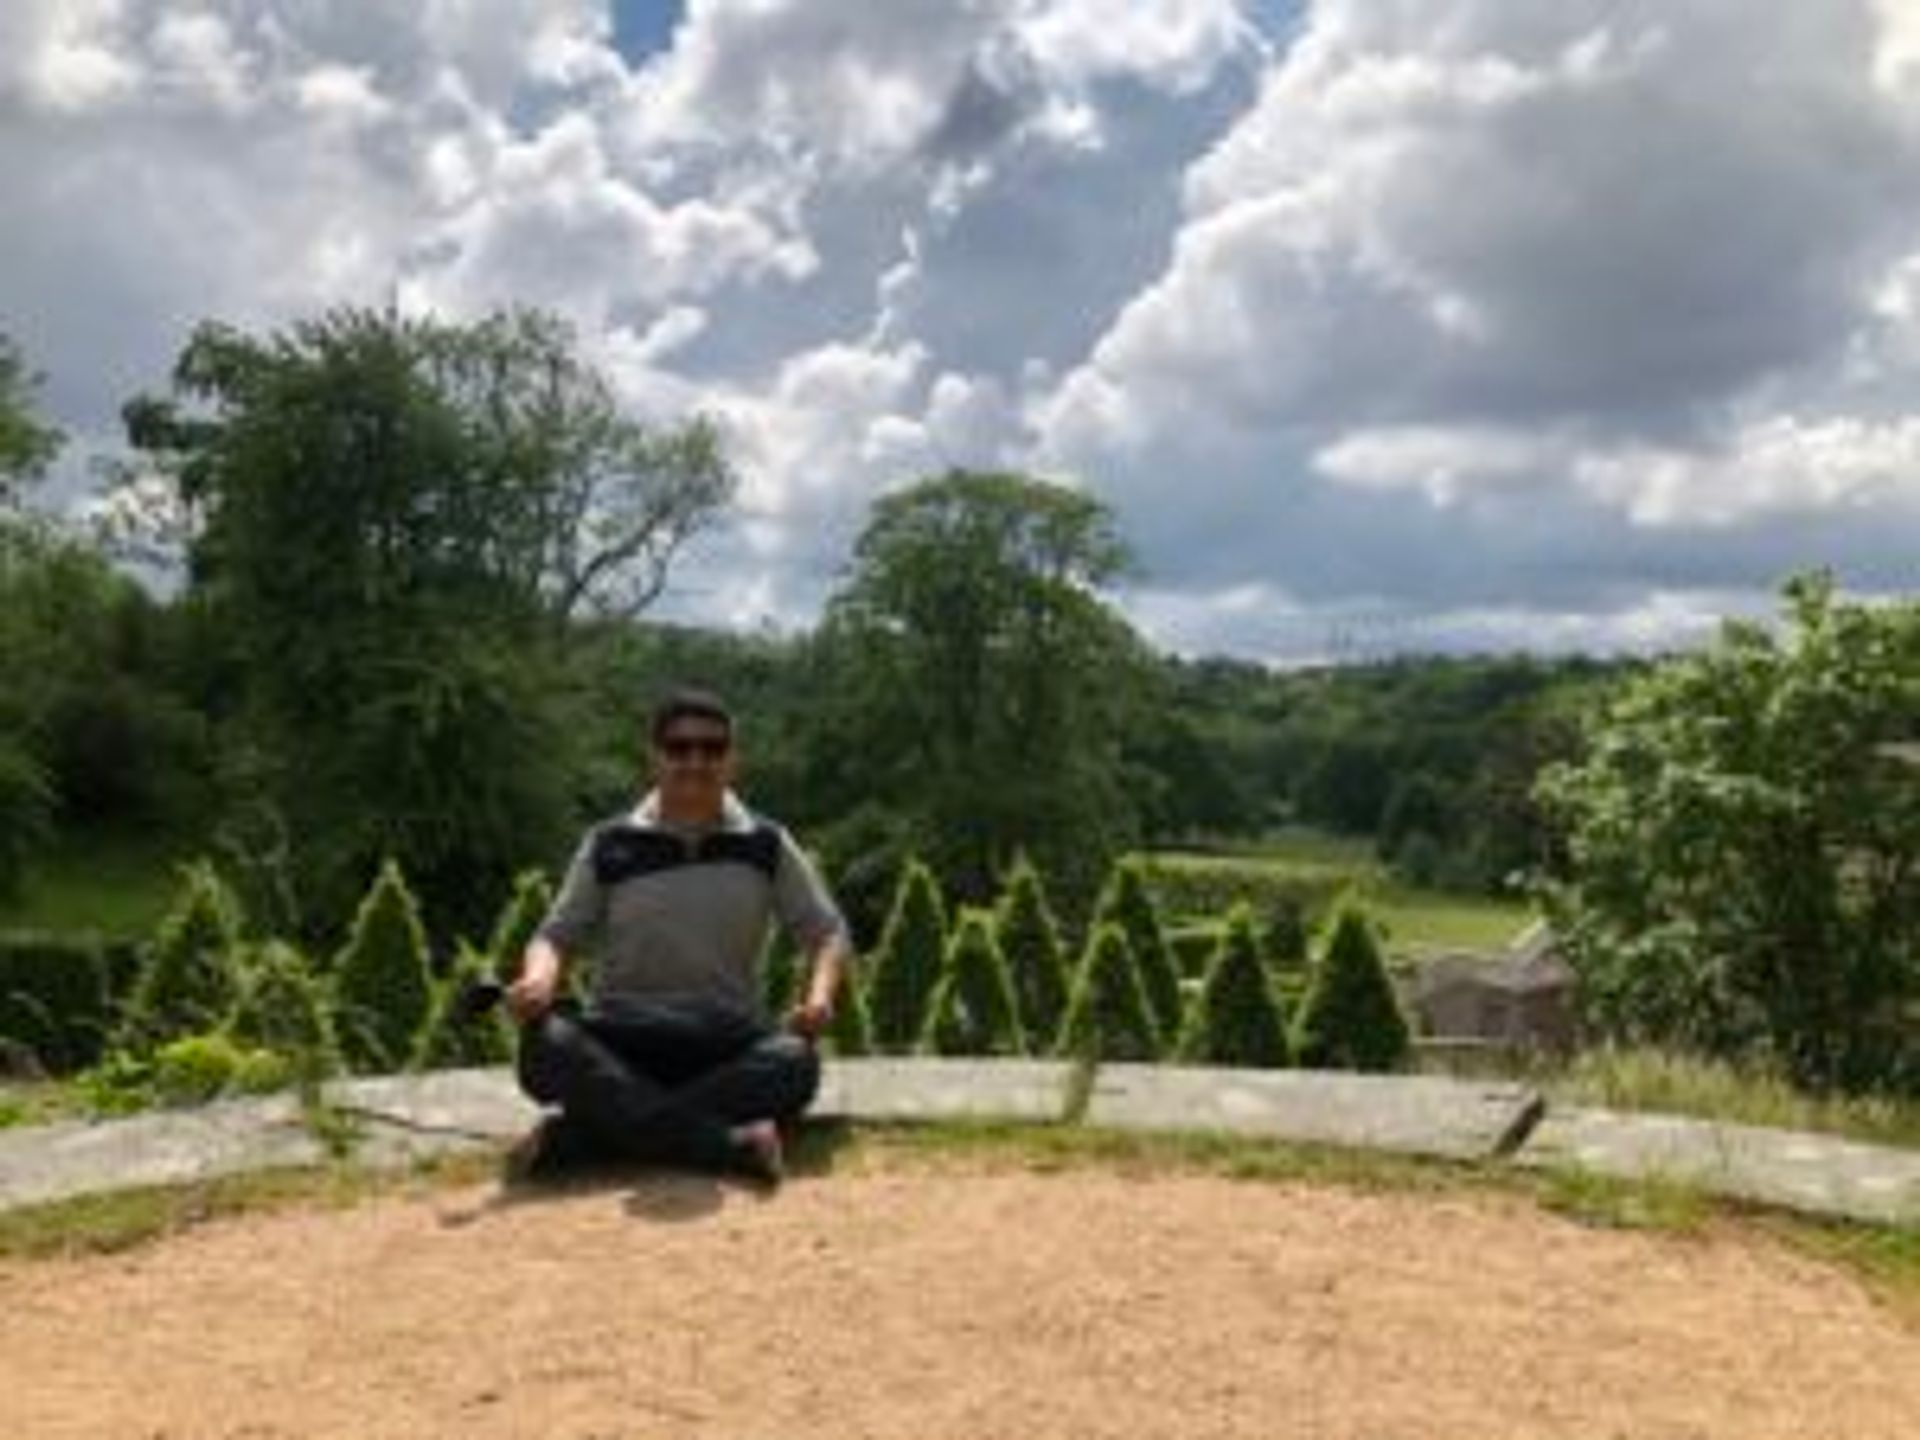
907	965
1108	1017
382	980
396	527
978	685
1350	1018
1125	902
26	442
1236	1019
189	980
1029	938
1740	869
973	1011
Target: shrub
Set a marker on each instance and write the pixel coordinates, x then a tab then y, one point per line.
531	900
1198	888
59	993
282	1007
195	1069
1126	903
1193	948
382	983
973	1009
1029	939
851	1032
1237	1019
1107	1013
1350	1019
907	965
451	1039
189	982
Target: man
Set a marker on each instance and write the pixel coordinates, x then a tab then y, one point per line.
673	1060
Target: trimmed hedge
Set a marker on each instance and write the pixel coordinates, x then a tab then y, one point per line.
1029	937
1206	887
383	981
60	994
973	1011
908	962
1108	1017
1237	1019
282	1006
1351	1019
1125	901
189	980
451	1040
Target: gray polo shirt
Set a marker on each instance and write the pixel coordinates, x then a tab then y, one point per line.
672	911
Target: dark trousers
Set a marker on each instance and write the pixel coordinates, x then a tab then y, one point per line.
662	1082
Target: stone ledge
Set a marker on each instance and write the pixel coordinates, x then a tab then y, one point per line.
932	1089
1815	1174
1406	1114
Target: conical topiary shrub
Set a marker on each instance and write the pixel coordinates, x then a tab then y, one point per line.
532	898
452	1039
1107	1016
1029	938
190	979
907	964
851	1032
973	1010
1350	1018
282	1007
382	982
1236	1019
1126	903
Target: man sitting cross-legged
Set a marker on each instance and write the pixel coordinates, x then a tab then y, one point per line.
672	1060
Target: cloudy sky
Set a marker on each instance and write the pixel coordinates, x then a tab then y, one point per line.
1383	324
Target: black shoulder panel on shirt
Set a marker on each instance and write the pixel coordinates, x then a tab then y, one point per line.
758	847
624	851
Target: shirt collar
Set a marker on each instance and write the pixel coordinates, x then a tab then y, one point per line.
733	815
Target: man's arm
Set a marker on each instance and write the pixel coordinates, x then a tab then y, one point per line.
828	968
541	968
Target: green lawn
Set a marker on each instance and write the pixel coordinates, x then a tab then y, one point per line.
1416	920
117	884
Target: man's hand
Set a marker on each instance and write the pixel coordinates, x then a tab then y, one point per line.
810	1018
531	996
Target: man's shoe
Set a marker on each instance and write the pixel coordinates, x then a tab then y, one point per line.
758	1154
550	1150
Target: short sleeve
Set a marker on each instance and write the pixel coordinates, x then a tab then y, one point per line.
579	910
806	910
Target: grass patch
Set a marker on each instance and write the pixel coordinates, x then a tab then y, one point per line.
117	884
1652	1080
1648	1203
123	1219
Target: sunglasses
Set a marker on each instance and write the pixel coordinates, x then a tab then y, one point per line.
681	748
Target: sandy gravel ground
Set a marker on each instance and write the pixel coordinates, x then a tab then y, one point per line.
972	1304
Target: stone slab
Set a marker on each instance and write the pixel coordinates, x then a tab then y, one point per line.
1407	1114
55	1162
936	1089
1818	1174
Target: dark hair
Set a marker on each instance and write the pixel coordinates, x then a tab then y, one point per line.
677	703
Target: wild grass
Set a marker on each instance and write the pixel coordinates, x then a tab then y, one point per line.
1653	1080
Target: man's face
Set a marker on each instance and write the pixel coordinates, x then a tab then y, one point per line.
693	764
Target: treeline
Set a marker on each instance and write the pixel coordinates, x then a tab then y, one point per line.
413	562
